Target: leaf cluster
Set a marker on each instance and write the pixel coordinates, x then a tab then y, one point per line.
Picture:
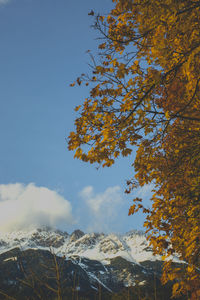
145	94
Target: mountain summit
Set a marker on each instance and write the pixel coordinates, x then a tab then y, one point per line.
132	246
85	262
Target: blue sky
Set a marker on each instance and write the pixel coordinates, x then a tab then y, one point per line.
43	50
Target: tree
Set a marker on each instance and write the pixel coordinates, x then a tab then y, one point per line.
145	94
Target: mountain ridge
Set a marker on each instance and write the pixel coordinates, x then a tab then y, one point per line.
106	262
133	245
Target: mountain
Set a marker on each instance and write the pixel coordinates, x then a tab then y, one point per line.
48	262
132	246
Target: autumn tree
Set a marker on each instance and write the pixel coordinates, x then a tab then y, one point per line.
145	94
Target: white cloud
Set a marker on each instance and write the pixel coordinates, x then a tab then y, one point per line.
30	206
4	1
103	208
145	192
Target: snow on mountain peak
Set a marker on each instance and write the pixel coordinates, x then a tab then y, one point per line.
132	246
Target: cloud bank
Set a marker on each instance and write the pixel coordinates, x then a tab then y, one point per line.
29	206
103	209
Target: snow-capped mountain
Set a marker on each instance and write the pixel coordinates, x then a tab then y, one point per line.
132	246
92	261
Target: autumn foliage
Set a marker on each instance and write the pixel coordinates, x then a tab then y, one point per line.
145	93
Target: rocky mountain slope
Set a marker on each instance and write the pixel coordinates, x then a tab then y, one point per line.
132	246
86	264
